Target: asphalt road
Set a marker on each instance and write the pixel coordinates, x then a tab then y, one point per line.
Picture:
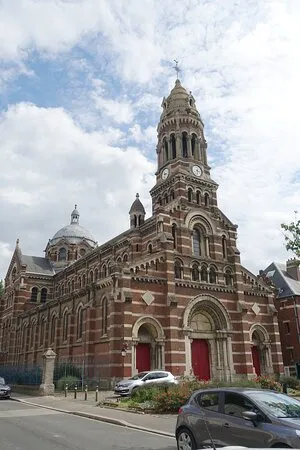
24	427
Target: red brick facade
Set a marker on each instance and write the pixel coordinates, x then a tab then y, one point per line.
169	281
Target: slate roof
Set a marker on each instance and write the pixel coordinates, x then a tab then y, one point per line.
286	285
37	264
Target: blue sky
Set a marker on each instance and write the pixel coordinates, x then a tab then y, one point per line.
81	84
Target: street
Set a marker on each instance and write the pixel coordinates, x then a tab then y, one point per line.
24	427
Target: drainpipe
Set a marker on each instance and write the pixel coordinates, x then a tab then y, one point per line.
297	319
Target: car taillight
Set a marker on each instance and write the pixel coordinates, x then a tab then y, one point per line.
180	410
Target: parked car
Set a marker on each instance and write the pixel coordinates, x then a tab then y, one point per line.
126	387
238	417
5	390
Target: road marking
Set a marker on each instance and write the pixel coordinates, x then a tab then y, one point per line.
28	412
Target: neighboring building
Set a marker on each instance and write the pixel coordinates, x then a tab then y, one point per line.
170	292
286	279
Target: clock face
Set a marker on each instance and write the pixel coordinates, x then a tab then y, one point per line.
197	171
165	174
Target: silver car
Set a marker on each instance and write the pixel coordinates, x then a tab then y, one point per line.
238	417
127	387
5	390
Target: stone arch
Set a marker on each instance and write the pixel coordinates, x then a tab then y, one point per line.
260	350
150	322
212	306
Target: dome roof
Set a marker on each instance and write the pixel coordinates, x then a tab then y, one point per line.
179	100
137	206
73	233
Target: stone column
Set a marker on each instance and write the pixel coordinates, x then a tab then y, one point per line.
178	145
207	245
47	386
189	146
188	356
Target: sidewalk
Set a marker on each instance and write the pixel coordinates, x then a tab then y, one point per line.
163	424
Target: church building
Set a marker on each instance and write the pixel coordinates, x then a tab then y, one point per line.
168	293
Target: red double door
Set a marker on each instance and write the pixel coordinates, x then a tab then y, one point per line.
143	357
256	360
200	359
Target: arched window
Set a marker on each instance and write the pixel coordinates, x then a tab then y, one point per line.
82	252
224	247
125	258
53	330
34	294
104	316
212	275
44	293
184	145
195	272
62	254
166	199
73	285
174	234
166	150
172	195
96	273
206	199
193	144
79	282
196	242
160	201
62	289
150	249
104	271
69	287
173	146
83	280
65	326
204	274
14	274
228	278
79	323
178	269
91	277
190	194
198	197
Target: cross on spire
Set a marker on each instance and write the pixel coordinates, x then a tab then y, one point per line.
176	68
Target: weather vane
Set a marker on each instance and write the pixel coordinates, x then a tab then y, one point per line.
176	68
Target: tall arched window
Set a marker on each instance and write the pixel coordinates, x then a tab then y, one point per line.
53	330
190	194
69	287
173	146
91	277
224	247
166	150
150	249
104	316
96	274
83	280
198	197
104	271
34	294
44	293
174	234
178	269
125	258
212	275
228	278
206	199
79	322
73	285
195	272
193	144
184	145
62	254
65	326
196	242
204	276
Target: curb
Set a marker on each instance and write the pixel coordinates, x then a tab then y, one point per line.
111	420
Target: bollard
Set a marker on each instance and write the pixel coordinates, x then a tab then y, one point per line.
284	388
66	389
75	392
85	392
96	396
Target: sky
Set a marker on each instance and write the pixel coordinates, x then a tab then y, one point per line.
81	86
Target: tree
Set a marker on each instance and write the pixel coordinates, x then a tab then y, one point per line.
1	287
292	236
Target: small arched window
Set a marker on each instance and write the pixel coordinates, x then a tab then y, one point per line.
150	249
69	287
82	252
14	274
212	275
206	199
184	145
96	273
224	247
173	146
193	144
178	269
195	272
79	323
198	197
125	258
160	201
104	316
174	234
83	280
166	150
79	282
228	278
91	277
44	293
65	326
104	271
204	275
62	254
190	194
34	294
196	242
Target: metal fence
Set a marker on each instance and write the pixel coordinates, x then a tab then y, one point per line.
29	375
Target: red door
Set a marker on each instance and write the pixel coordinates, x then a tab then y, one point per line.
256	359
143	357
200	359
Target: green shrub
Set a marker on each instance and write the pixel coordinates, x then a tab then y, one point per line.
70	381
268	383
145	393
291	382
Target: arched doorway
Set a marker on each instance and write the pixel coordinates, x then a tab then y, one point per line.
143	349
207	339
260	350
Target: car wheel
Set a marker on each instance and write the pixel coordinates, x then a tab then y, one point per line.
185	440
281	446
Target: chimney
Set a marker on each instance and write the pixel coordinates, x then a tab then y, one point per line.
292	268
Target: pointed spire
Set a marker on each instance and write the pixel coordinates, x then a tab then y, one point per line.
75	215
137	213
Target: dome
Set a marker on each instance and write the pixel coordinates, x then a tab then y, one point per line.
179	100
73	233
137	206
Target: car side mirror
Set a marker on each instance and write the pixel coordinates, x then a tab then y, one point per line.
250	415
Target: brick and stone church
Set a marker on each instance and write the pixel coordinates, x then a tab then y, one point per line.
168	293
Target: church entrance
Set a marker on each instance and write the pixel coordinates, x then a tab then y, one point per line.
200	359
256	359
143	357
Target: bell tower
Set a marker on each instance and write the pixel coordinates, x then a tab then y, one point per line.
182	173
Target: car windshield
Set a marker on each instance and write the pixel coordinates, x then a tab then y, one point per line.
138	376
2	381
279	405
